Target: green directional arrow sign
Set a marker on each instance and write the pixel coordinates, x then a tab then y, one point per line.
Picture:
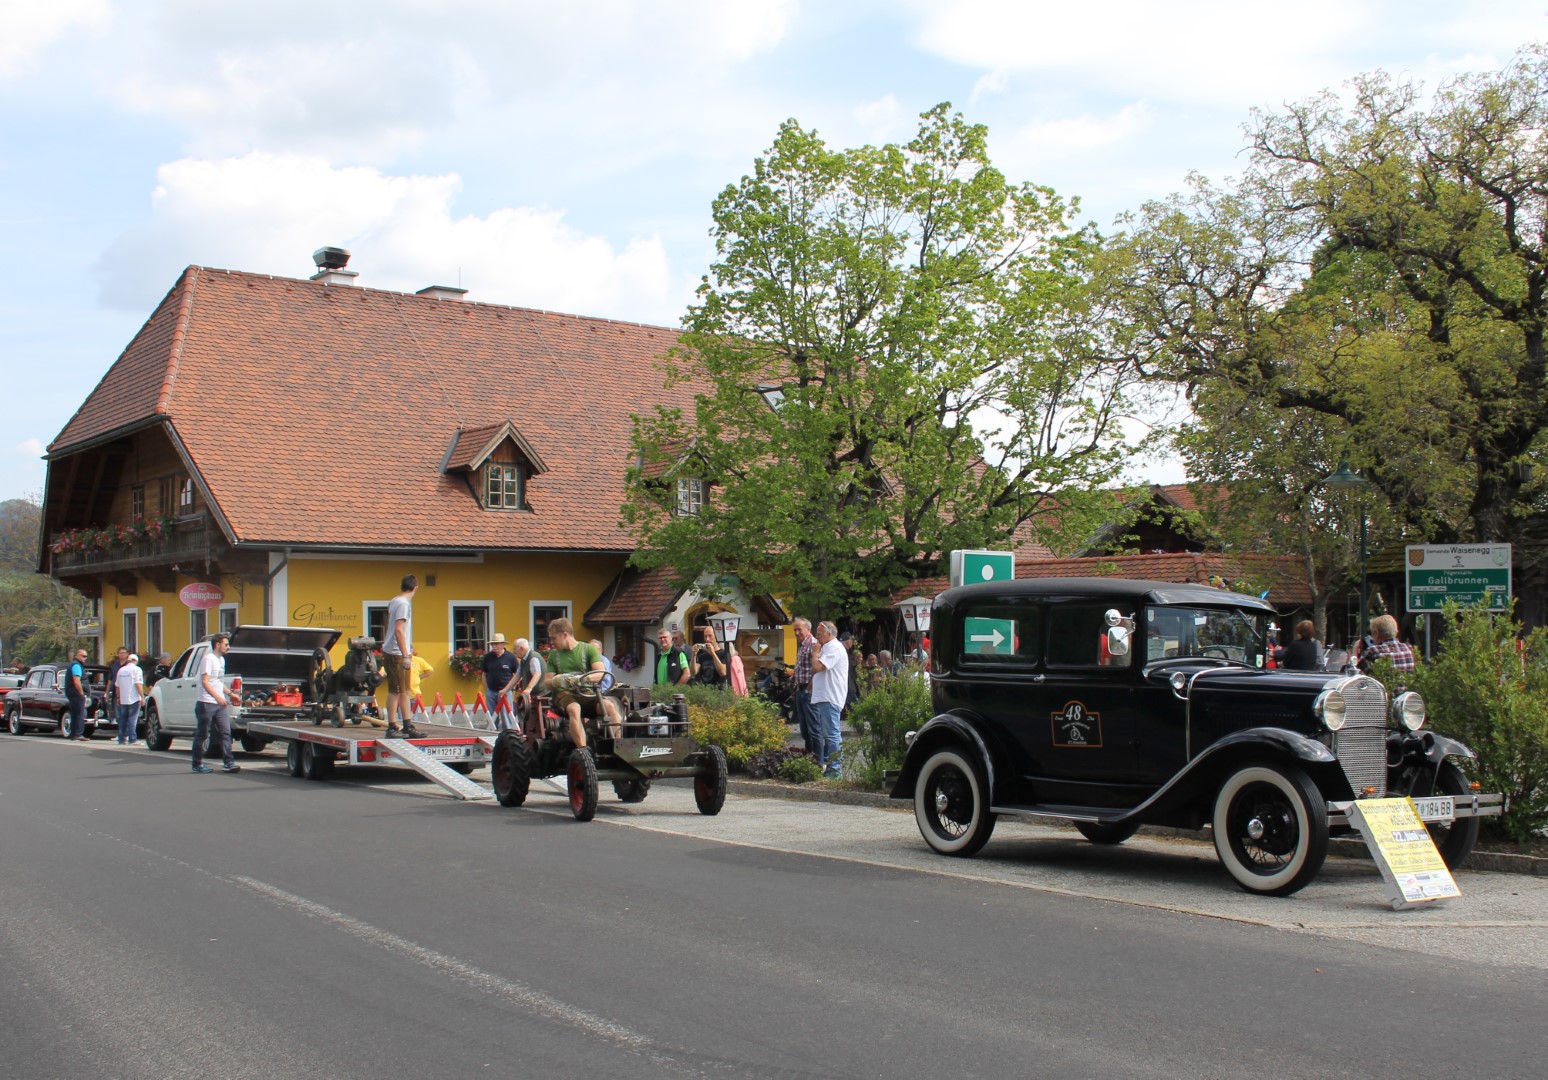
975	567
989	636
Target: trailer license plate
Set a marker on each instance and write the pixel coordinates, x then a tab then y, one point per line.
444	753
1438	808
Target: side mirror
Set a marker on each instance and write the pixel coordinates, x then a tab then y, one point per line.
1117	641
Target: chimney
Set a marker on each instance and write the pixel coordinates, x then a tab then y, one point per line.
442	292
331	262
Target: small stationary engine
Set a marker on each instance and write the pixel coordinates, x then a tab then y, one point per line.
350	690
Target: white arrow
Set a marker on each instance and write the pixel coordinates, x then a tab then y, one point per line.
994	638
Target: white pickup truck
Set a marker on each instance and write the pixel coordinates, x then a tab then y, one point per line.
277	666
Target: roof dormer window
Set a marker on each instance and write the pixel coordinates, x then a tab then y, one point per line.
690	496
502	486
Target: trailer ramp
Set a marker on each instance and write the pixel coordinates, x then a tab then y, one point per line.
433	770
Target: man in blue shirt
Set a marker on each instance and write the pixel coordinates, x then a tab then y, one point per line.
75	696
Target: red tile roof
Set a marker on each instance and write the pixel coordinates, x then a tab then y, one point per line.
635	597
321	414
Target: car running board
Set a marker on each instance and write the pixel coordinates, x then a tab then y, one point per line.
1052	812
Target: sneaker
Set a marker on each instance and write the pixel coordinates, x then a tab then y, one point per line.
393	732
202	768
231	768
412	732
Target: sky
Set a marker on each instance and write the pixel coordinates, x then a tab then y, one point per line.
564	155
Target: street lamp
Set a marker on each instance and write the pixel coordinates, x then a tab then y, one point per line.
1346	480
725	624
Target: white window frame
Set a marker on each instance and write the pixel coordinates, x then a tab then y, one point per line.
451	621
195	618
690	496
519	481
131	629
532	606
220	619
365	618
161	634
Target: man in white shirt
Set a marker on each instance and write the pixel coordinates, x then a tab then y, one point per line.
830	686
398	659
129	682
212	711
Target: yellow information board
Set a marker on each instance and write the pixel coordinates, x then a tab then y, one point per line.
1401	845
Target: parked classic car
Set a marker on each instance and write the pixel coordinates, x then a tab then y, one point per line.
40	701
1114	704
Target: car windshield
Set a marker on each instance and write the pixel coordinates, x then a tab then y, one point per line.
1219	633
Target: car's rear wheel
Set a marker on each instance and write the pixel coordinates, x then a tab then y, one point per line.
1271	828
949	805
632	791
293	757
709	783
13	721
155	738
583	784
62	727
1098	833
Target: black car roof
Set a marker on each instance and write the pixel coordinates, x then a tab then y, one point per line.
1153	592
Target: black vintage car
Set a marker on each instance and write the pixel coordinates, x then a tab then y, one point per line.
1114	704
40	702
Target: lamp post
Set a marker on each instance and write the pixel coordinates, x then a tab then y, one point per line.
726	624
1346	480
916	615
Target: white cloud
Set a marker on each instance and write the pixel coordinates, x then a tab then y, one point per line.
30	448
1055	138
266	213
27	27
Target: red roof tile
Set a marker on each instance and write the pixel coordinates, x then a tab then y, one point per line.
321	414
635	596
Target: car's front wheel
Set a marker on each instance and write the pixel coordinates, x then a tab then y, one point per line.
1271	828
950	805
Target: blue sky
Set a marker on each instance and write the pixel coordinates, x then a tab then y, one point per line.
564	156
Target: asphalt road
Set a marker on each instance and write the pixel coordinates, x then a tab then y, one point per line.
155	923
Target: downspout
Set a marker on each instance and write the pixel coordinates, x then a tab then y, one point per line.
268	588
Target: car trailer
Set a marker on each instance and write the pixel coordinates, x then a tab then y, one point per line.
441	754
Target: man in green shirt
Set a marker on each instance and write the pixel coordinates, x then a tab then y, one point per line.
569	663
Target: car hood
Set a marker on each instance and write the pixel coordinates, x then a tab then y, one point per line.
1225	680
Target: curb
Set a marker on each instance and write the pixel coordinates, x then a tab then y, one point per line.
1498	862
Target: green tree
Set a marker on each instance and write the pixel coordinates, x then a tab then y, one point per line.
37	613
1378	275
896	355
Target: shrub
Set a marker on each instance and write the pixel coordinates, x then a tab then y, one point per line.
800	768
881	719
741	726
766	764
1480	689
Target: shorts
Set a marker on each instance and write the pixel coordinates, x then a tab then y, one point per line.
589	706
397	674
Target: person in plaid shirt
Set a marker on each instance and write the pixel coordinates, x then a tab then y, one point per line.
802	676
1384	629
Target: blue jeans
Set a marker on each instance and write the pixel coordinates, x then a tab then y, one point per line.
77	716
128	722
807	720
212	724
832	740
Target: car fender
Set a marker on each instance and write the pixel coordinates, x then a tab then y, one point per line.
1432	746
1202	776
943	730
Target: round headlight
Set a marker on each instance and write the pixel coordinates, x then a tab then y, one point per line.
1331	709
1408	711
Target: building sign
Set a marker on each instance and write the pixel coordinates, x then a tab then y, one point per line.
976	567
201	596
1414	871
312	615
91	626
1463	573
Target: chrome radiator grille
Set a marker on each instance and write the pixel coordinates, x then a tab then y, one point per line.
1361	745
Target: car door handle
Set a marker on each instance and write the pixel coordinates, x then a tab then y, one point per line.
1039	678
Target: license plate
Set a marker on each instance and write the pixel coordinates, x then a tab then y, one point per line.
1436	808
444	753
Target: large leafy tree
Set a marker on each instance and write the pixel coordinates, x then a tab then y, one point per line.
37	613
1374	282
895	356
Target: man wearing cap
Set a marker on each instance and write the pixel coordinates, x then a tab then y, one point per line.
499	671
129	684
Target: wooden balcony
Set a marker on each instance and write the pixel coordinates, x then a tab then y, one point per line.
192	541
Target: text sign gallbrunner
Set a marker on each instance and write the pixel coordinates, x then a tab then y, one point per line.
1464	573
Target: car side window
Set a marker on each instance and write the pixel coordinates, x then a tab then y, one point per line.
1001	636
59	678
180	669
35	680
1077	636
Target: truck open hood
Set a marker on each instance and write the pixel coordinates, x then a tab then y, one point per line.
283	638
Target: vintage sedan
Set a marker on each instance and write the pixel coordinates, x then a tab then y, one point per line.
40	702
1114	704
